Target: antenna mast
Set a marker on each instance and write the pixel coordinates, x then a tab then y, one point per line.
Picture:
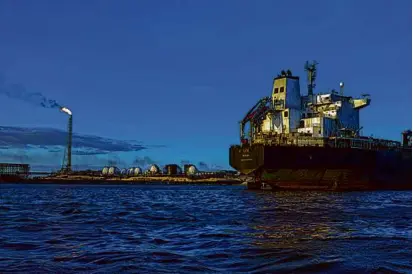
311	69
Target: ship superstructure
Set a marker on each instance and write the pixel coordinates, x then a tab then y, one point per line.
287	117
326	124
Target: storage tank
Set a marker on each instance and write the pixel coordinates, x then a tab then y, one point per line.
134	171
190	169
113	171
105	171
186	166
131	171
137	171
172	169
154	169
124	172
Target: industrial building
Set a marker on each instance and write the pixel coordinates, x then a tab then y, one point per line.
8	170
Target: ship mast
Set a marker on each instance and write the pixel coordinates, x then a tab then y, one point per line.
311	69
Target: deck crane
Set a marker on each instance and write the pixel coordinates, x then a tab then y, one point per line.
254	116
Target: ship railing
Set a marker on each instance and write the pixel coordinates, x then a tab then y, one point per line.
359	143
334	142
289	140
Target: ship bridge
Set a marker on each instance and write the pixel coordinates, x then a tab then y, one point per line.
361	103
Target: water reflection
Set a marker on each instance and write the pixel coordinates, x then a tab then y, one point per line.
288	218
298	230
185	229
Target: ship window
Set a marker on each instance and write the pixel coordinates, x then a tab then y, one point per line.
281	89
275	90
285	113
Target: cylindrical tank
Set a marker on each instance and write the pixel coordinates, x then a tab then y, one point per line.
137	171
154	169
105	171
131	171
172	169
191	170
124	172
134	171
186	166
113	171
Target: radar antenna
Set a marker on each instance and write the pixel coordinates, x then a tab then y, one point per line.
311	69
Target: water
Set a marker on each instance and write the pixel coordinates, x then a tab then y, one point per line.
189	229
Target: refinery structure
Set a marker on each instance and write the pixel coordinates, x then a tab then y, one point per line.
67	158
10	172
21	172
113	171
188	170
314	141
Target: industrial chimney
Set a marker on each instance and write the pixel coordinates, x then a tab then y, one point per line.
67	160
69	144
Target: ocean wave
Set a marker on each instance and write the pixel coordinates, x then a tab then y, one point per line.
150	229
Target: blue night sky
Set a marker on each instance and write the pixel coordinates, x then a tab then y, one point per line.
183	73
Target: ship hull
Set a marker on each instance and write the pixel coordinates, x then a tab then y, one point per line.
319	168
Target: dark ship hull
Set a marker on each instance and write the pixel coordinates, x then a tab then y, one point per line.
322	168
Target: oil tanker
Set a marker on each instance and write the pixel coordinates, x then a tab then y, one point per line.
313	142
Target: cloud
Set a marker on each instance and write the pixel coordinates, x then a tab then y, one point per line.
87	152
18	91
45	146
17	156
155	146
23	156
205	167
144	161
54	167
53	160
185	162
23	138
216	167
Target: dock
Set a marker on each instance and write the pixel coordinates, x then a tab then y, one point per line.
166	180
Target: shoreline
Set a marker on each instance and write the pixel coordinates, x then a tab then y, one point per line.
83	180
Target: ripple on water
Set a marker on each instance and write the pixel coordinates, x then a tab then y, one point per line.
180	229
